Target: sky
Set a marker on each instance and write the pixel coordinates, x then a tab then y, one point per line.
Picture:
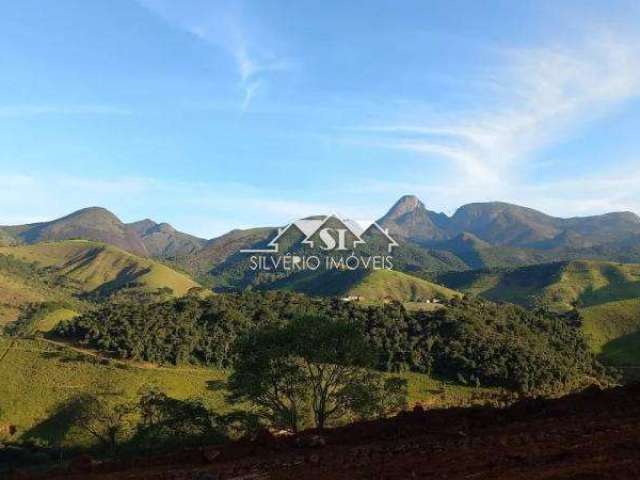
214	115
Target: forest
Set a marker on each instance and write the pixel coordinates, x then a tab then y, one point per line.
469	340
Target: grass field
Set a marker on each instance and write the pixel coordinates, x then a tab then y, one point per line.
63	271
51	320
593	283
557	285
91	266
382	285
37	376
613	331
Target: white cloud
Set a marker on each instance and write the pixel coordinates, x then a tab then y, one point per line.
223	25
584	194
538	96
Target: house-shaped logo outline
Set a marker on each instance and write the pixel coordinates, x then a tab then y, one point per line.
348	224
308	228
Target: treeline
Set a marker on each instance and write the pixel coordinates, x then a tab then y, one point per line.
471	341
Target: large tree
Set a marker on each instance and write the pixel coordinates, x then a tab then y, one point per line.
312	365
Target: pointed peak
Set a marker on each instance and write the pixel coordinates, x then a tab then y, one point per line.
406	203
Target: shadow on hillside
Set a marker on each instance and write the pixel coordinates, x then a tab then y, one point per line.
613	292
217	385
65	357
624	351
55	428
125	278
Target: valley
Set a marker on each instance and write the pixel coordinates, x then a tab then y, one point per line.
92	305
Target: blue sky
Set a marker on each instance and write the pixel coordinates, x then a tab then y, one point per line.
215	115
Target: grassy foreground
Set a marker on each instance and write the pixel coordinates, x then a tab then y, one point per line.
37	376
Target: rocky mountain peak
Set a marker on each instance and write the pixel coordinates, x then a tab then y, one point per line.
406	204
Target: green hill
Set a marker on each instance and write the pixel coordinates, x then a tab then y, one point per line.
100	268
560	286
68	271
368	286
606	294
94	223
613	331
391	285
37	376
23	283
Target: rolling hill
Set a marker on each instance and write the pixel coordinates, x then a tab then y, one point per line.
367	286
560	285
606	294
94	223
391	285
93	267
613	331
70	270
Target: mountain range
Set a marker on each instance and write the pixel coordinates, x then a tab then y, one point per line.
496	250
504	224
477	235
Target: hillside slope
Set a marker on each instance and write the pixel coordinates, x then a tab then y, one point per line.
560	286
367	286
162	240
99	269
587	435
606	294
22	283
613	331
391	285
94	223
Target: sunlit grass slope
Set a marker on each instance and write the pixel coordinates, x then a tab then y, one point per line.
613	331
381	285
101	268
559	285
37	376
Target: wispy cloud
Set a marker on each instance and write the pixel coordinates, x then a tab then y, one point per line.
586	193
224	25
537	97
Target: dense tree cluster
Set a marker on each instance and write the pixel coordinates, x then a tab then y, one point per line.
313	369
469	340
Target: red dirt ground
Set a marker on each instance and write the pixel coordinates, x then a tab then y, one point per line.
587	436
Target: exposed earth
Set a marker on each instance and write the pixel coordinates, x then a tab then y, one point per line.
591	435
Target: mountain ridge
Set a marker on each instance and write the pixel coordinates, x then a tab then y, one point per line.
477	235
506	224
